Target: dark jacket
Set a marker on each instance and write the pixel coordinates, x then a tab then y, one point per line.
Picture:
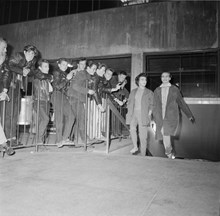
60	81
77	88
41	90
121	94
105	89
16	64
98	83
171	120
93	84
5	76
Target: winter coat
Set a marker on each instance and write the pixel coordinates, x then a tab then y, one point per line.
146	106
41	87
5	76
77	88
16	64
60	82
171	120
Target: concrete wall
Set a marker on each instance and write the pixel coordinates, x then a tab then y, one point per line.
155	27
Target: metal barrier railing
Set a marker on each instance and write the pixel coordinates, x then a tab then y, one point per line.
22	114
113	113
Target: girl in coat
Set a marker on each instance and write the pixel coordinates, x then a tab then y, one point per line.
167	101
140	104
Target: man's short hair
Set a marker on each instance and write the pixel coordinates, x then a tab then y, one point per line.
111	69
122	73
41	61
100	65
29	48
60	60
82	59
91	63
138	78
2	40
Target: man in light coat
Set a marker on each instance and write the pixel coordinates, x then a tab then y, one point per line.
167	101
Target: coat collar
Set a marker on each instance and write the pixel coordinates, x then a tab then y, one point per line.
168	96
145	91
165	85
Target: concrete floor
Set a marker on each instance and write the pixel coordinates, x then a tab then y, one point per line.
71	182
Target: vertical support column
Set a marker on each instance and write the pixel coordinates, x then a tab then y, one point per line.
218	33
137	67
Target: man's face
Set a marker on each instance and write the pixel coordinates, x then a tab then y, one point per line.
92	69
101	71
142	81
29	55
82	65
63	66
165	77
3	49
108	74
44	67
121	78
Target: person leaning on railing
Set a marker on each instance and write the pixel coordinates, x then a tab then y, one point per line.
121	96
106	89
41	96
93	83
64	115
5	79
21	65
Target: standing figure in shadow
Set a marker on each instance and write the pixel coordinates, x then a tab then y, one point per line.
167	101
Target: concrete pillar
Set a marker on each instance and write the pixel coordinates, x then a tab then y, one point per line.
137	67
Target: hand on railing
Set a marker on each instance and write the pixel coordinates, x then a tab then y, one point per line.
91	92
4	96
120	103
70	75
102	109
26	71
118	86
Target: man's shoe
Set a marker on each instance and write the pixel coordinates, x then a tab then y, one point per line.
9	151
5	149
171	156
60	144
134	150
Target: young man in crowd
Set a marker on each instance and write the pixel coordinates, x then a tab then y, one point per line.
64	116
77	93
41	96
121	96
5	79
22	65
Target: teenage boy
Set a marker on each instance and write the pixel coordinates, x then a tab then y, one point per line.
64	116
41	96
22	66
5	79
167	102
77	95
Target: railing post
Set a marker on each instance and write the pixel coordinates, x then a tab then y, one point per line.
37	118
86	110
108	128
